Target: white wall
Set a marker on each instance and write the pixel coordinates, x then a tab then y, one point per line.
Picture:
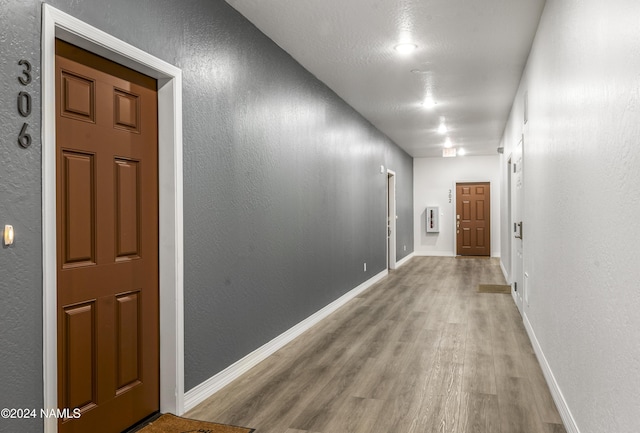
433	178
582	204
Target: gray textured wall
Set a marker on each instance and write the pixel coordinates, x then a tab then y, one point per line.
20	187
283	196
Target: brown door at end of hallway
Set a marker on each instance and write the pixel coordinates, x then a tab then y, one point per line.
107	247
473	219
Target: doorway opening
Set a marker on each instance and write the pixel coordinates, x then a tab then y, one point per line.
508	253
473	219
516	175
57	24
391	220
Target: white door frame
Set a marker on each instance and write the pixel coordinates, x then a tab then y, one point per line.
509	244
391	217
517	210
57	24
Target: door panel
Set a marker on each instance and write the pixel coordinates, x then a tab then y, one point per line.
473	221
78	212
79	342
480	237
128	346
466	237
466	210
107	217
127	202
480	206
77	97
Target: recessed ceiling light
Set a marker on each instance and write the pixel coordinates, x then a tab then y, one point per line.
405	48
461	152
448	143
429	103
442	129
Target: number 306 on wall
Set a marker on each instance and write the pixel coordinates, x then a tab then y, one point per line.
24	103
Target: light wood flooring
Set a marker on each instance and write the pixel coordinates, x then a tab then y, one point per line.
421	351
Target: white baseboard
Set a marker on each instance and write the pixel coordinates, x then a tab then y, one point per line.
565	413
504	272
434	253
443	254
214	384
405	260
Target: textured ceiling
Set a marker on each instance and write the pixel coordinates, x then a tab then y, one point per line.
469	58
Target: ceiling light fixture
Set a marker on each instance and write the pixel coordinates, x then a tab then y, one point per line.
429	103
448	143
405	48
442	129
461	152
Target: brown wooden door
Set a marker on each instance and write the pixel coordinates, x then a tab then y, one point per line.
473	219
107	231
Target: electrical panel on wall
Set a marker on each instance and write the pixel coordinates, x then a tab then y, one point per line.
432	219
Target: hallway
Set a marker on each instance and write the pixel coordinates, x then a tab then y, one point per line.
421	351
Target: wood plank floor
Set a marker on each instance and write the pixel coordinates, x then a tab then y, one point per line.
420	352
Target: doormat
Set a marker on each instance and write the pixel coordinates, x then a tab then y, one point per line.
494	288
169	423
473	257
